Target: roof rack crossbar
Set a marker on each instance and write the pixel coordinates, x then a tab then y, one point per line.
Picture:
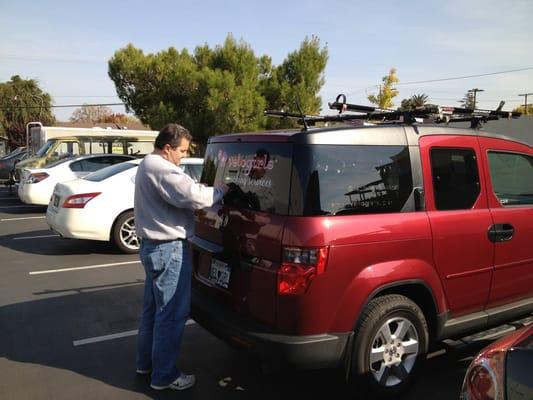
431	113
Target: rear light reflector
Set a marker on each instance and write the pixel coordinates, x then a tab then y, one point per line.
37	177
79	200
299	268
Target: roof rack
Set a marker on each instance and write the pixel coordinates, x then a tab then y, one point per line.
428	113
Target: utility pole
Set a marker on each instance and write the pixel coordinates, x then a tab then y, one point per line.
525	100
474	91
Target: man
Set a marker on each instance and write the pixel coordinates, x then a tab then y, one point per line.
165	198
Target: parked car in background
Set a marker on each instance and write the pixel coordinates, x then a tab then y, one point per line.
37	185
47	144
8	162
100	205
502	370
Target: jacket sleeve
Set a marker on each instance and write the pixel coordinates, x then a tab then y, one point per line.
180	190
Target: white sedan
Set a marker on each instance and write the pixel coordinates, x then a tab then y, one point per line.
100	205
37	185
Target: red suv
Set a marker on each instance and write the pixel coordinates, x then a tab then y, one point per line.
359	246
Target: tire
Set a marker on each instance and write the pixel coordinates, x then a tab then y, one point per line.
123	233
391	341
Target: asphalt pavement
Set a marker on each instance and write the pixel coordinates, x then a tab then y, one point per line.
68	319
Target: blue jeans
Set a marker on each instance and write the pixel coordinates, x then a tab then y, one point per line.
167	303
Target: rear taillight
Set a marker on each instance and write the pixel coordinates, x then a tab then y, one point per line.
37	177
79	200
484	378
299	267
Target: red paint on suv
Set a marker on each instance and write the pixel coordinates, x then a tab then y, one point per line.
357	247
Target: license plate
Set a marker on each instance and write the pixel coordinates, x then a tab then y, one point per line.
55	200
219	273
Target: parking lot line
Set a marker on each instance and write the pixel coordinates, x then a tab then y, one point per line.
52	271
34	237
118	335
21	218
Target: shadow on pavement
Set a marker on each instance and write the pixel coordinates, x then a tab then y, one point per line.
41	333
55	245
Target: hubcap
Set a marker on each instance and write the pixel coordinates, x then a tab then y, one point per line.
128	237
394	351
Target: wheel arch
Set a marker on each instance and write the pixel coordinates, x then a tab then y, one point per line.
416	290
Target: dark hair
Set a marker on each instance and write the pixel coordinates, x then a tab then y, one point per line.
172	134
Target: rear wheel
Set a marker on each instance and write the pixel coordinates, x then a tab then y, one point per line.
123	234
391	341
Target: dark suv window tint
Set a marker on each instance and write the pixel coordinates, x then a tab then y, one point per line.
512	177
258	174
455	178
342	180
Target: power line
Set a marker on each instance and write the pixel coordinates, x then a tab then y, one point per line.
448	79
465	76
62	106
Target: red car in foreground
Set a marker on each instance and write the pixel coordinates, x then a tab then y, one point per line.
503	370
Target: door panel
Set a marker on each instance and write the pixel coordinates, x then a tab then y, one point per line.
513	260
463	255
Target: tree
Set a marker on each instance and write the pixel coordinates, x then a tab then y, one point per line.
386	91
121	119
468	100
215	90
522	109
416	100
22	101
93	114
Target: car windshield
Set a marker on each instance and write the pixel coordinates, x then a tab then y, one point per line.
45	149
56	162
110	171
193	170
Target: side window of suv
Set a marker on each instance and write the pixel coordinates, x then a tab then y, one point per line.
348	180
455	178
512	177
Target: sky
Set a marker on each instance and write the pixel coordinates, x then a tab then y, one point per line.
66	45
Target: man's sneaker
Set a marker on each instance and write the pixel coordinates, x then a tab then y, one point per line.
183	382
143	371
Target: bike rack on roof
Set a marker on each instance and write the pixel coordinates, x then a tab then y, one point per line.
428	113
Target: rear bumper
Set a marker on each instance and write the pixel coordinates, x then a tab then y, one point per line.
307	351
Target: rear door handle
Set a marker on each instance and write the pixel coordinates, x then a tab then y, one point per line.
500	232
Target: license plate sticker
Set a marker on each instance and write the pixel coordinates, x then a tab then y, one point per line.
220	273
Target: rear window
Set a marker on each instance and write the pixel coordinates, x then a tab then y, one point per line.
259	174
317	180
108	172
347	180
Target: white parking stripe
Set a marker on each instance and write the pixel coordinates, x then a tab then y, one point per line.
51	271
114	336
34	237
21	218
